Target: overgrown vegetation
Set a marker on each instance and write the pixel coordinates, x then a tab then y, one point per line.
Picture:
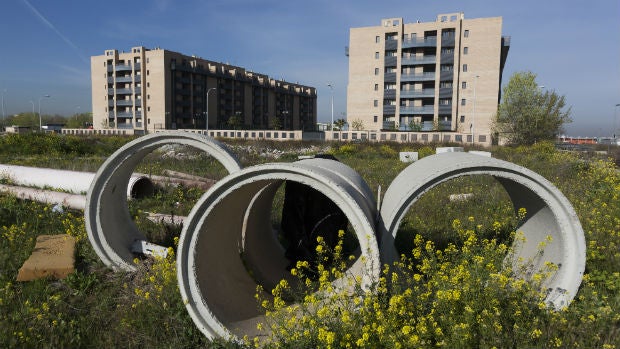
448	290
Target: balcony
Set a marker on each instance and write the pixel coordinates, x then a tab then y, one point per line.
110	68
445	109
122	67
127	78
445	92
110	102
428	126
430	41
447	58
445	125
136	66
137	78
447	75
447	41
110	79
390	61
389	93
125	125
427	109
389	125
391	44
138	101
389	109
124	102
124	91
138	114
124	115
389	77
418	60
426	76
111	91
427	92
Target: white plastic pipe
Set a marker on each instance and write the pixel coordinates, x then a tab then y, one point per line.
69	181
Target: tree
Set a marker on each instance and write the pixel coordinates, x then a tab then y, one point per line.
234	121
339	124
528	115
276	123
357	125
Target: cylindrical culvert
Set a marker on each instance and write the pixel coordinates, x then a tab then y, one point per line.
228	245
549	213
110	228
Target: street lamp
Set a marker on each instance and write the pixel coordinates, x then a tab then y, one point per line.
207	112
285	116
40	123
615	124
332	104
3	110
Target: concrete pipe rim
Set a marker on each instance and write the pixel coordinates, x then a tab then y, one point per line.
555	211
190	260
112	238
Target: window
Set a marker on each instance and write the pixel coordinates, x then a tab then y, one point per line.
446	67
376	55
376	87
375	118
462	118
395	22
482	138
148	84
445	84
148	96
376	103
465	50
377	39
444	18
466	33
147	72
464	85
464	67
463	101
376	71
445	101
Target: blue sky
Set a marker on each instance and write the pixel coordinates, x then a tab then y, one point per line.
573	46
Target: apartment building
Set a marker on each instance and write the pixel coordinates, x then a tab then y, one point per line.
145	90
441	76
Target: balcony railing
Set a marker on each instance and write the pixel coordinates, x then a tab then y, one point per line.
418	60
447	58
445	109
128	78
430	41
447	40
389	109
427	92
447	75
124	91
122	67
445	92
124	102
426	76
445	125
389	93
390	61
391	44
389	77
124	115
427	109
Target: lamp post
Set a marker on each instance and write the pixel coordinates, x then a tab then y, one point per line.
3	110
615	124
40	122
473	118
207	112
285	118
331	126
33	114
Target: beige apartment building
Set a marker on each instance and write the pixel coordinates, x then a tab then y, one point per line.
441	77
145	90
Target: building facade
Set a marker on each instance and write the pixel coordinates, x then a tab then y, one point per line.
442	76
145	90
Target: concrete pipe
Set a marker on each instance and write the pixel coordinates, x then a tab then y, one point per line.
70	181
548	213
228	244
110	228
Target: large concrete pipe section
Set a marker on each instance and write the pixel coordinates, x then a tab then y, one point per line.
549	213
228	245
70	181
110	228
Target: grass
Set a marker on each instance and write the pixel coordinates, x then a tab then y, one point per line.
96	307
